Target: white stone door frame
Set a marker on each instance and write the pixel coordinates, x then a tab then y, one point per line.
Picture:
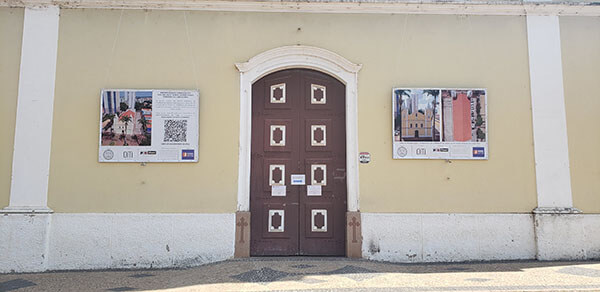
298	57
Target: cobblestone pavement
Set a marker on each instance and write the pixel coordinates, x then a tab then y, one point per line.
324	274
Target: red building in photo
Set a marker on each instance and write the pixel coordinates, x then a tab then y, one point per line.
461	116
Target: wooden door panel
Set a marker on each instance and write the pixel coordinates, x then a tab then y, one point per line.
277	93
330	242
267	241
317	132
324	179
279	228
276	173
317	92
318	220
278	135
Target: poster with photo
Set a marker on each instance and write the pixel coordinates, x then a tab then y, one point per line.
147	125
439	123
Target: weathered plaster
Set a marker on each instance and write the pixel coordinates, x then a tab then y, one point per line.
24	242
567	237
472	7
447	237
31	243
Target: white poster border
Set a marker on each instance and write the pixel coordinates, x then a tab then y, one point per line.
412	146
136	150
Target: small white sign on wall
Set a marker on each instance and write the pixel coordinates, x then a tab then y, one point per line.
364	157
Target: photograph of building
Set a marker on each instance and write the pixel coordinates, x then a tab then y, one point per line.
464	116
298	106
126	118
417	116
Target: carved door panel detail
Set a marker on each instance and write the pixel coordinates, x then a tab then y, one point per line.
278	93
298	127
277	135
318	135
318	220
318	94
276	221
277	175
318	174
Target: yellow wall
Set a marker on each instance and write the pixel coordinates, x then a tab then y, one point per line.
155	49
11	31
452	51
581	66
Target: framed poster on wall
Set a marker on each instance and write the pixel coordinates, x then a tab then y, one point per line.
439	123
148	125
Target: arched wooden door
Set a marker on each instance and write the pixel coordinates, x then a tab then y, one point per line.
298	164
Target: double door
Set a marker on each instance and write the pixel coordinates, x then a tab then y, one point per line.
298	164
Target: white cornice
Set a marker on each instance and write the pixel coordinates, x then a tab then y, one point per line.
586	8
298	51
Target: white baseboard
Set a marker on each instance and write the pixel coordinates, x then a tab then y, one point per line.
23	242
447	237
568	236
98	241
41	242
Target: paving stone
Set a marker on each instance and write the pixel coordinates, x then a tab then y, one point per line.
457	269
311	280
322	274
263	275
141	275
478	280
579	271
15	284
121	289
303	266
354	273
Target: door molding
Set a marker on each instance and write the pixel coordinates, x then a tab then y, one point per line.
289	57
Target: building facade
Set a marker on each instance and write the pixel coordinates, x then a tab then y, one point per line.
264	70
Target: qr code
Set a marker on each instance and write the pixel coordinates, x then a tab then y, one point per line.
175	131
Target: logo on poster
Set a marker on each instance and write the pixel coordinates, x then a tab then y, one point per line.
187	154
402	151
478	152
127	154
108	154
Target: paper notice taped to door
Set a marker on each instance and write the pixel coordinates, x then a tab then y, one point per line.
278	191
313	190
298	179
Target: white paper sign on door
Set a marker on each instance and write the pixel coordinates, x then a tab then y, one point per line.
298	179
313	190
278	191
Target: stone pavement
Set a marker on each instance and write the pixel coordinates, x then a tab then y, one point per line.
327	274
